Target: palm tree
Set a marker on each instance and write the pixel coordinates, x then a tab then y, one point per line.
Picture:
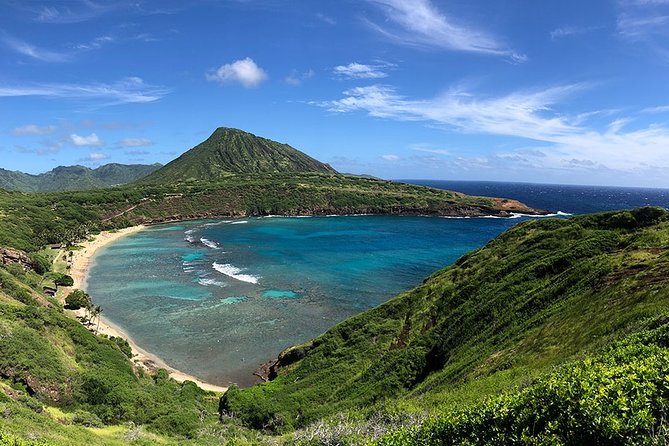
96	312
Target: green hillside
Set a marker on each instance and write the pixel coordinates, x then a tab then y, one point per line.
31	220
68	178
231	151
542	294
556	332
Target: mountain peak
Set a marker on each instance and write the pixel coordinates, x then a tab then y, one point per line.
230	151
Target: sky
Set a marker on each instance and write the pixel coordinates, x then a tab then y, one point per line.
568	92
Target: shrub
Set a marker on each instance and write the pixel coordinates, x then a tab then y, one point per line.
86	419
77	299
40	263
64	280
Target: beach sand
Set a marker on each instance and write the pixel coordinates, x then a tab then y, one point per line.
80	262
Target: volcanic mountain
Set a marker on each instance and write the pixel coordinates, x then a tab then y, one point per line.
231	151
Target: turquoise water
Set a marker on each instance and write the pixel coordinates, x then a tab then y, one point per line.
218	298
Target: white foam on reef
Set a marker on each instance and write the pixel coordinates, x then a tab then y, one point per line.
513	215
239	222
189	236
217	223
209	243
211	282
234	272
557	214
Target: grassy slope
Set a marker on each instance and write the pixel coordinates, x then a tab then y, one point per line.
543	293
230	151
52	368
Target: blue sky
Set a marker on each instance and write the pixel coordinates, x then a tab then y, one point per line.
512	90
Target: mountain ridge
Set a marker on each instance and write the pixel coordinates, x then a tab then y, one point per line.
77	177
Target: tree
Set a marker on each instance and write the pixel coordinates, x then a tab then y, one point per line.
64	280
77	299
96	311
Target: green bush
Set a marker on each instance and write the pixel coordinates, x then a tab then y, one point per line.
40	263
77	299
64	280
87	419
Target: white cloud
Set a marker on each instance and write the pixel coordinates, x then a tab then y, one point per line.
245	71
127	90
97	156
33	129
515	114
356	70
326	19
645	22
135	142
419	22
658	109
76	12
96	43
94	157
391	157
570	30
529	115
429	149
83	141
296	78
33	51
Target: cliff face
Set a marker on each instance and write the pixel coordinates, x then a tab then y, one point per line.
8	256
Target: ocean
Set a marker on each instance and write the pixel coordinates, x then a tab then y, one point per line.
218	298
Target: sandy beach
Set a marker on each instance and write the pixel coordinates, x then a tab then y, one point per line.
81	261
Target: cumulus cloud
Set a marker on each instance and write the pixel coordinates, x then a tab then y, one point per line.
33	129
391	157
356	70
91	140
420	23
245	71
135	142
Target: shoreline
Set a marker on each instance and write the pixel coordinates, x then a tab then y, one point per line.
81	262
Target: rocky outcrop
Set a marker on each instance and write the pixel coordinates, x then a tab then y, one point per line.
270	369
9	256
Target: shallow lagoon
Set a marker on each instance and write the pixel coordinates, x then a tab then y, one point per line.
218	298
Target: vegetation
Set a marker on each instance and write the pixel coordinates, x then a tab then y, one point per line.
64	178
77	299
231	151
30	221
541	294
620	397
49	360
556	332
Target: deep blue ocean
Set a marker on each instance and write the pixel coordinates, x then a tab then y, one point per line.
218	298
